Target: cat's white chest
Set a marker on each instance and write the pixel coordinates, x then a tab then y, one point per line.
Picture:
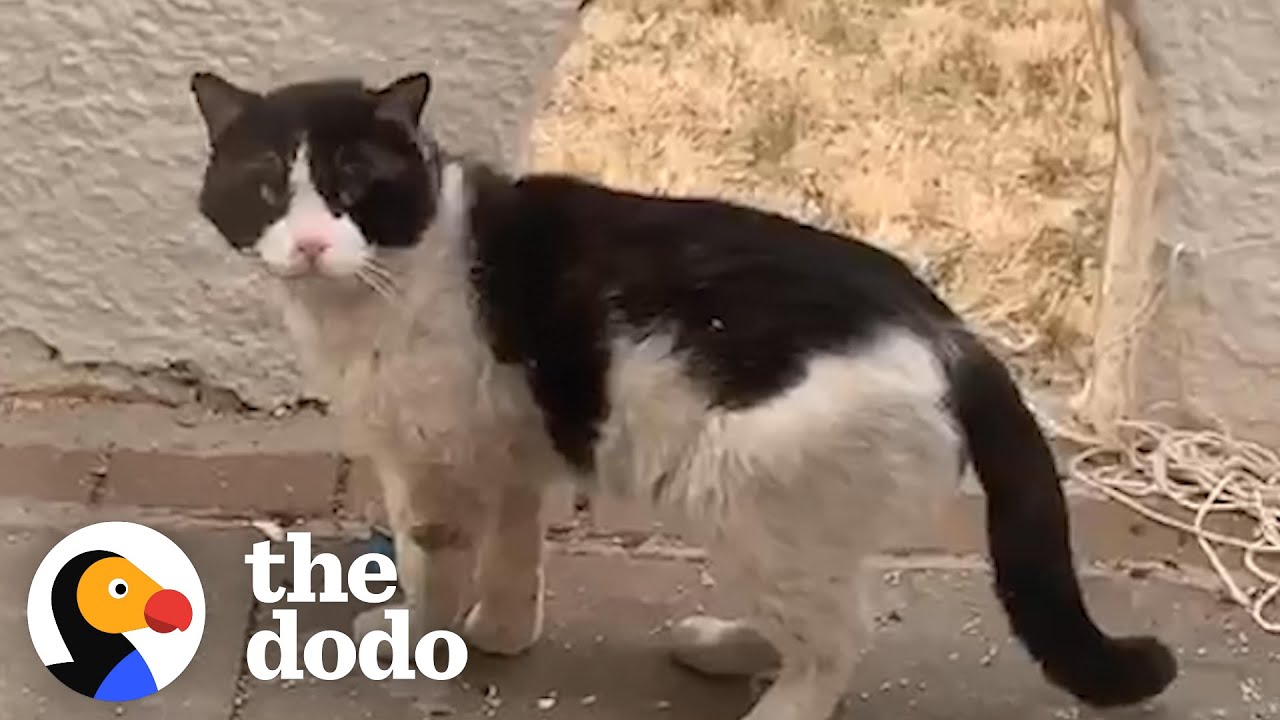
435	388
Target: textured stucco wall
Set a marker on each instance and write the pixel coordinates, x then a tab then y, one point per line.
108	278
1190	317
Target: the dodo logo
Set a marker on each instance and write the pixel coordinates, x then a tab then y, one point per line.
116	611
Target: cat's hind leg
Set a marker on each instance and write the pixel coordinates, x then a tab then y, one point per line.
801	491
807	607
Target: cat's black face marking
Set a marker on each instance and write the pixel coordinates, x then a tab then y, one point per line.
363	157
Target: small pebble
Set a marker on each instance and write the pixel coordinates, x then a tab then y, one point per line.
491	697
989	656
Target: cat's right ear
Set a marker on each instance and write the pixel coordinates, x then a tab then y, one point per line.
220	102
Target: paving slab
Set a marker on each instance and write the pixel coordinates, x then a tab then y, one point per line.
941	650
601	657
363	498
242	484
205	689
254	465
150	427
47	472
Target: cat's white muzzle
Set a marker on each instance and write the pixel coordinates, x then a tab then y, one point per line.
314	242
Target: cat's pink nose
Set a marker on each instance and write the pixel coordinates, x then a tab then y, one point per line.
312	246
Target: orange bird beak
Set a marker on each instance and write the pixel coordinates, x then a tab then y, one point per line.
168	610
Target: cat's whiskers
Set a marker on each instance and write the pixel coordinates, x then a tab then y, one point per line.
379	290
377	265
374	266
382	284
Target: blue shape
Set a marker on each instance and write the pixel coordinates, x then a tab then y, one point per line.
381	543
129	680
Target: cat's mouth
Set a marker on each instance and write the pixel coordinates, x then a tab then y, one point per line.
370	277
295	262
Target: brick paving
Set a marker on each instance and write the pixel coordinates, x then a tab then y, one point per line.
941	649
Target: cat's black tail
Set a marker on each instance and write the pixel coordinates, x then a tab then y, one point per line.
1028	535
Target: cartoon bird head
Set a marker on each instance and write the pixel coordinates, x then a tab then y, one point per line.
98	596
114	596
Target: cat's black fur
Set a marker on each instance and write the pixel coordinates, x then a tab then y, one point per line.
748	296
561	267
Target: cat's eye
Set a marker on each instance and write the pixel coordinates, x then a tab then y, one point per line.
350	190
268	173
353	176
267	191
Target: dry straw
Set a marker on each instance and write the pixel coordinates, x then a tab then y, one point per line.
969	136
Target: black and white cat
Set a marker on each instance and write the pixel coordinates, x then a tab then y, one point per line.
789	391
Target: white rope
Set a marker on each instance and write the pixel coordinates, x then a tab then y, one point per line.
1204	473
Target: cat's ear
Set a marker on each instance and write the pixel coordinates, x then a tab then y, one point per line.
220	102
404	99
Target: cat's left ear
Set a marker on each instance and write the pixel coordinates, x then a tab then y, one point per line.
404	99
220	102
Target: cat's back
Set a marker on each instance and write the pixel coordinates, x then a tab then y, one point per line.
634	237
749	294
721	335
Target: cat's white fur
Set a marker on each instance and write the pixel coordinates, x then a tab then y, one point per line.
789	494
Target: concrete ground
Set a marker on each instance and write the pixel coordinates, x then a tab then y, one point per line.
616	579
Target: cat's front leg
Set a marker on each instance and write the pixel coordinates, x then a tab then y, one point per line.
507	619
437	522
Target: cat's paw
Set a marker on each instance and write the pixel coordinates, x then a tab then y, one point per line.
718	647
503	629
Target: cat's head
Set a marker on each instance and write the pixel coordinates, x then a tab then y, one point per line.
317	178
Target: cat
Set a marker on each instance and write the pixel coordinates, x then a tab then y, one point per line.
790	391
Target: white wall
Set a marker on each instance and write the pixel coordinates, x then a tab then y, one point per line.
108	277
1190	317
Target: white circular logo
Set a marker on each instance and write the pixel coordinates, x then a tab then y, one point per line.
116	611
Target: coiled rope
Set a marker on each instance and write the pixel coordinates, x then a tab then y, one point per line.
1204	473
